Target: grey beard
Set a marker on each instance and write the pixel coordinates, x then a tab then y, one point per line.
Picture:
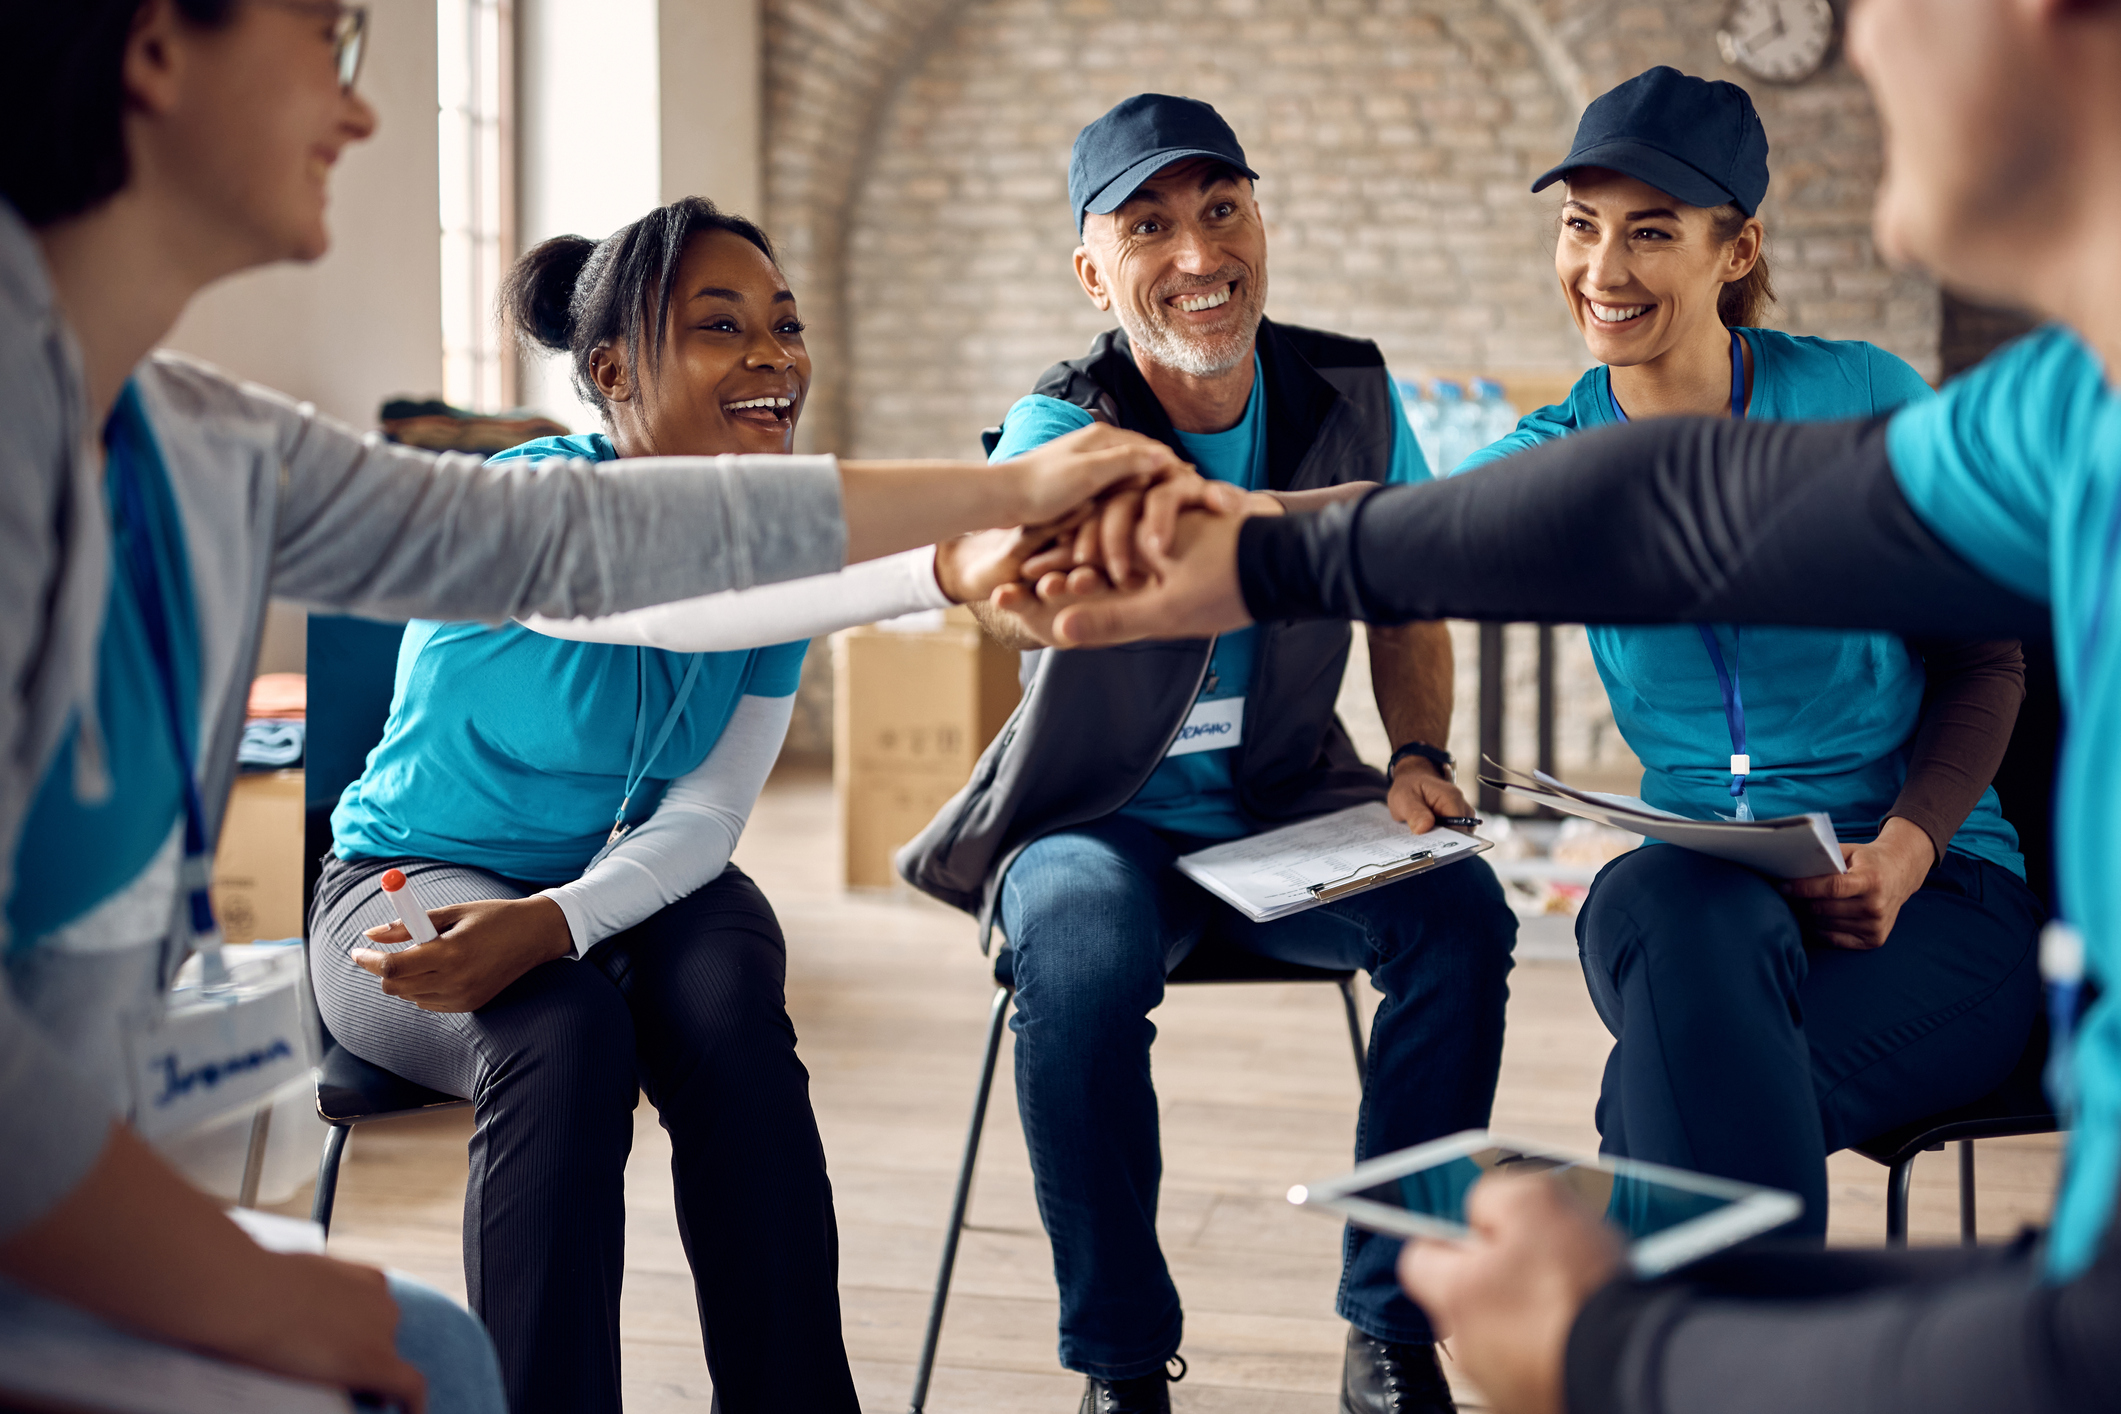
1197	358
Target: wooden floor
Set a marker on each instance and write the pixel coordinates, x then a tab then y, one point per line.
890	997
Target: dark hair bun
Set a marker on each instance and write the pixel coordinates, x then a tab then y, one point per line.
538	296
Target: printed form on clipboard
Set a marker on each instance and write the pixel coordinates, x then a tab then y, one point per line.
1791	847
1272	875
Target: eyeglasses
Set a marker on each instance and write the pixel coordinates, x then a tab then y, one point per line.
349	28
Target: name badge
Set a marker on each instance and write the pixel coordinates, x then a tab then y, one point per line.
1211	726
203	1055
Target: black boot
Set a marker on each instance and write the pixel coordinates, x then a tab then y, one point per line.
1380	1378
1144	1394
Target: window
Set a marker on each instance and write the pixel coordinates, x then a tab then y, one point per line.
475	44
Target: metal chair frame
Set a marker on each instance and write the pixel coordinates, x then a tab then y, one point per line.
1899	1150
1251	969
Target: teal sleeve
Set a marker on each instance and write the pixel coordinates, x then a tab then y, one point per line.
1034	421
1409	466
1979	464
1532	429
776	671
1894	383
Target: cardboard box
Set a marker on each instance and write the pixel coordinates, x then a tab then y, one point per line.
257	887
912	710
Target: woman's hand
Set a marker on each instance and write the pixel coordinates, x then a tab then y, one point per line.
1858	909
1051	480
971	567
483	947
1193	591
137	1245
1507	1295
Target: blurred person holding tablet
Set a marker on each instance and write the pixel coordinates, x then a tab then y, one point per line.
153	506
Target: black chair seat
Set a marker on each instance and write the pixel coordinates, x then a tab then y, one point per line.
2016	1107
1208	962
350	1090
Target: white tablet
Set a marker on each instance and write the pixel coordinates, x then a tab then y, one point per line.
1669	1216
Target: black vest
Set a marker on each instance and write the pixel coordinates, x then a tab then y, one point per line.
1095	723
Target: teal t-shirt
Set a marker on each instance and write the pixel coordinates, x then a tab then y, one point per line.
1830	715
508	750
1193	793
74	854
2017	467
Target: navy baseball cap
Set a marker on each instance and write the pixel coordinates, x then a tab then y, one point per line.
1137	139
1698	140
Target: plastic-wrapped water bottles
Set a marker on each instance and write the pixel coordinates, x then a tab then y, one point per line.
1449	425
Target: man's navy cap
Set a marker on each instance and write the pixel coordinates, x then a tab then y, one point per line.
1700	141
1139	138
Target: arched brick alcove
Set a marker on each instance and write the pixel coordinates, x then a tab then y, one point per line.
917	151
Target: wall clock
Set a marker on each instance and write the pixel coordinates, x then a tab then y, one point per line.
1783	41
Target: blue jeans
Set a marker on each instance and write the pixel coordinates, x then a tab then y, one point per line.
1098	917
1743	1049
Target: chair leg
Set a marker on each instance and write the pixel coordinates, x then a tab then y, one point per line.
1897	1183
1347	1000
998	1017
1967	1235
328	1176
254	1155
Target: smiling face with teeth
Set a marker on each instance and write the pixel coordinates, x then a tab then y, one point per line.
1643	271
733	372
1183	265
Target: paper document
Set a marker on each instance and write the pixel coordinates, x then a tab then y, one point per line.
1300	866
1792	847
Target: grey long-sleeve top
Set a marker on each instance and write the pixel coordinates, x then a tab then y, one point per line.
278	500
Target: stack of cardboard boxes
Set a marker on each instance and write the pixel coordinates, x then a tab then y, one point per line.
914	705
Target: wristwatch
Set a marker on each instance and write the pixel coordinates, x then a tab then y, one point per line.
1435	755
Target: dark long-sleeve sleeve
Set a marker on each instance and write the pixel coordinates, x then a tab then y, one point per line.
1857	1332
1673	519
1975	688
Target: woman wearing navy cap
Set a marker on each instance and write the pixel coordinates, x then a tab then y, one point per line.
1759	1027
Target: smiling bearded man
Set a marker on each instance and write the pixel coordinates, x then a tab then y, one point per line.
1120	761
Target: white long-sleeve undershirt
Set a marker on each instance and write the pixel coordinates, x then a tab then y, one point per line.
686	843
771	613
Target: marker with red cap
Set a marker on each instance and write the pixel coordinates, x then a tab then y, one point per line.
411	912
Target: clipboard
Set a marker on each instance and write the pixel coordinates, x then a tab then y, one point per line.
1321	860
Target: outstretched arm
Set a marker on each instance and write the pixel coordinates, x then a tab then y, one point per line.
1672	519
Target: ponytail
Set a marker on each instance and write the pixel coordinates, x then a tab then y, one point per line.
537	298
1743	302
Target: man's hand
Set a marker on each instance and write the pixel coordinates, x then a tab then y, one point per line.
1858	909
483	947
1193	593
1420	794
1507	1295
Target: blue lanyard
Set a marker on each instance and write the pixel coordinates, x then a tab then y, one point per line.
637	766
129	442
1726	678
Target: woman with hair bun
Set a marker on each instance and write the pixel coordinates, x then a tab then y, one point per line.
572	807
1759	1028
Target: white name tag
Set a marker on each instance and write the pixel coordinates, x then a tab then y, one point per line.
1211	726
201	1056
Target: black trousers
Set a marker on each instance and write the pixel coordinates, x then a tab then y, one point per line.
687	1006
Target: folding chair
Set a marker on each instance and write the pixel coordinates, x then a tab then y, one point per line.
2018	1107
352	666
1209	962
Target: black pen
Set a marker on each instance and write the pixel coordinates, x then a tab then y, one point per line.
1459	822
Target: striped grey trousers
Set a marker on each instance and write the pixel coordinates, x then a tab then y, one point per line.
687	1006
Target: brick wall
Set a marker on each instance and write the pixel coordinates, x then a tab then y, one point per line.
916	175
